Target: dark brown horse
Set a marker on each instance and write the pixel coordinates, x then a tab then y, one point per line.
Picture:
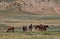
41	27
9	29
44	27
30	27
38	27
24	28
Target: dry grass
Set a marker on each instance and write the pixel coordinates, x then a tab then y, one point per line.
34	19
28	35
34	22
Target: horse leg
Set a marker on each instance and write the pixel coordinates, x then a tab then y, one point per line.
7	30
30	29
35	28
13	30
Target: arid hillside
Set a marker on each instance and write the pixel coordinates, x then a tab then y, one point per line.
25	12
43	7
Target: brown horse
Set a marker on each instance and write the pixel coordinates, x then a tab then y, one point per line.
41	27
24	28
38	27
30	27
9	29
44	27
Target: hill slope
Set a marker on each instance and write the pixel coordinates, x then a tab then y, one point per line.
35	6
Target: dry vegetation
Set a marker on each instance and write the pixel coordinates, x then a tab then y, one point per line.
18	19
30	35
11	14
34	22
35	6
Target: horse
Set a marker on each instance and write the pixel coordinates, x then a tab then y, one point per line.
9	29
30	27
41	27
44	27
24	28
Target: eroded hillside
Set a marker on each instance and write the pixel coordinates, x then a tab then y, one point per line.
34	6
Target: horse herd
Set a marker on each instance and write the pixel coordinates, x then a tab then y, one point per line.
30	28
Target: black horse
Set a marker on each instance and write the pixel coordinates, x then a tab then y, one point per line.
24	28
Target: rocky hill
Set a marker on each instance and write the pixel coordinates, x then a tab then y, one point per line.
43	7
